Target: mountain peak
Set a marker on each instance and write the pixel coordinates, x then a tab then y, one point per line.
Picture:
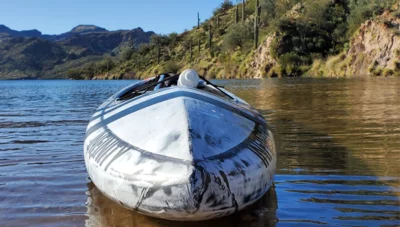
14	33
87	28
3	27
139	29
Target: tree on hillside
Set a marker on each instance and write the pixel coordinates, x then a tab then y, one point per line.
155	41
314	12
361	10
75	74
269	7
105	65
173	39
274	10
240	35
144	49
224	7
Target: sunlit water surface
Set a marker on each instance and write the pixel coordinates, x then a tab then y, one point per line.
338	146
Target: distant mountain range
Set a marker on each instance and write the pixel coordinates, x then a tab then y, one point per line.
7	32
31	54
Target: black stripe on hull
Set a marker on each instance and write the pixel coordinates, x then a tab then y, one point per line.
107	143
256	142
100	150
202	182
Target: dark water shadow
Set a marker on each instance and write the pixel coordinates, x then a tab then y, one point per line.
348	127
317	173
102	212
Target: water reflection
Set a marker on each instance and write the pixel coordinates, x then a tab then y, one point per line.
347	126
336	200
338	154
102	212
339	146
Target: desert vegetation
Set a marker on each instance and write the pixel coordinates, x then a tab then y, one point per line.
306	35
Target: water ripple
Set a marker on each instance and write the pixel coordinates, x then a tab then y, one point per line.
338	147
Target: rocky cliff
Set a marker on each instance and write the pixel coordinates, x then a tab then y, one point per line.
262	63
373	51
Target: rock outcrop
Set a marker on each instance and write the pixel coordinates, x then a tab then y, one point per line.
373	51
262	63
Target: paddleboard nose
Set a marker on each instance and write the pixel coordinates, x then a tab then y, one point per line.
179	155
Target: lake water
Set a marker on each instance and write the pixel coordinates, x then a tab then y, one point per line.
338	146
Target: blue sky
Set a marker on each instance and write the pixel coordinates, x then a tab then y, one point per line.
58	16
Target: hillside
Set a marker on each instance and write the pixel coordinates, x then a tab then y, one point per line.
30	54
295	38
6	32
374	51
260	38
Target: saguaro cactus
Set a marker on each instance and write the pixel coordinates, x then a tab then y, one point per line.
198	20
199	45
138	61
210	39
158	51
190	49
257	23
237	14
243	11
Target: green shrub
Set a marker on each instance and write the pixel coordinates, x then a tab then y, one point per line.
126	54
240	35
397	65
144	49
291	64
171	67
75	74
388	72
362	10
224	7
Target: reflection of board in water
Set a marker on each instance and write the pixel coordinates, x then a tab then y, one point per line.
103	212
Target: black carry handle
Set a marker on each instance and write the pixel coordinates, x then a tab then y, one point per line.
216	87
131	95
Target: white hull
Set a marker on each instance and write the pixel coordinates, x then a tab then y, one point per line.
180	154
